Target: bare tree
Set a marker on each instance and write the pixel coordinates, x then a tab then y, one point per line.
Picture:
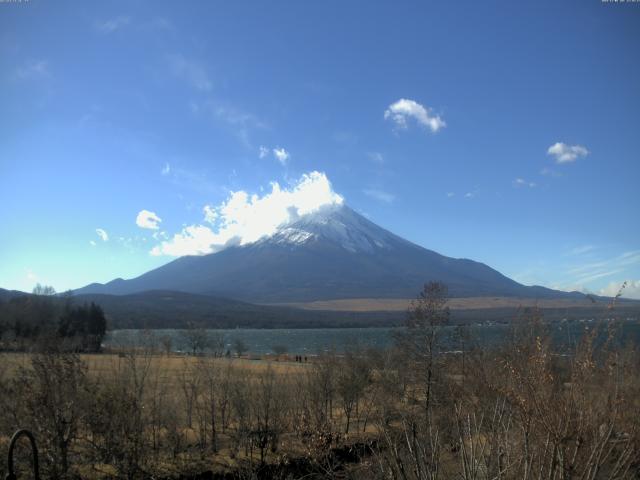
240	347
167	344
269	407
420	340
216	343
209	375
190	387
197	339
353	377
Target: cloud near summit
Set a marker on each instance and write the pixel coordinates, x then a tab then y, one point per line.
245	218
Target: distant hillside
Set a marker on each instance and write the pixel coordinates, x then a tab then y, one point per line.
7	294
170	309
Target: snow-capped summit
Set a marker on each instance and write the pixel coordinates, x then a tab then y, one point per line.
337	224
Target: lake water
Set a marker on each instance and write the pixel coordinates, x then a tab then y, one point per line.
317	340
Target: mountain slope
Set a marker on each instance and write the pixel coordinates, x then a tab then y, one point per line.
331	254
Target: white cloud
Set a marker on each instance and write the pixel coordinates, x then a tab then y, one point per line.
564	153
147	219
403	109
281	155
469	195
380	195
166	169
451	194
102	234
113	24
245	218
191	71
521	182
630	290
92	243
192	240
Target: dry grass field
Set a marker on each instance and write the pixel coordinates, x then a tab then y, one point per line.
174	398
411	412
470	303
171	367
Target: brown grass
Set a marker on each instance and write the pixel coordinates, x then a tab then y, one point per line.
469	303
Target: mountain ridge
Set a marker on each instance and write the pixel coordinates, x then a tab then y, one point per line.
334	253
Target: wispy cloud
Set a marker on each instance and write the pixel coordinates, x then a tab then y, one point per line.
585	273
147	219
521	182
586	279
241	123
32	69
404	109
376	157
281	155
564	153
549	172
235	116
244	218
210	214
31	276
193	72
192	180
581	250
451	194
161	23
104	236
166	169
380	195
345	137
263	151
113	24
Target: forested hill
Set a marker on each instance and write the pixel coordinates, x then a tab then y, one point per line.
170	309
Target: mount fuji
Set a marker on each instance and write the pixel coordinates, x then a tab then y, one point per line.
330	254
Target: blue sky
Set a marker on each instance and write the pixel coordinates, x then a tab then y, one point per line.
505	132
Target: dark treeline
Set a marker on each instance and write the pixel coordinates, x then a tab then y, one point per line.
30	320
